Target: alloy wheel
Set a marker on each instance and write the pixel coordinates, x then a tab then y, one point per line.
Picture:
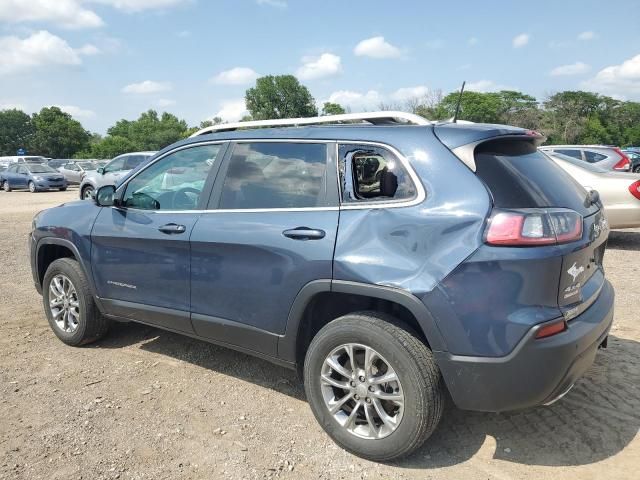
362	391
64	303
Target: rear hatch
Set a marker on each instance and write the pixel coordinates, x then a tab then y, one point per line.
523	181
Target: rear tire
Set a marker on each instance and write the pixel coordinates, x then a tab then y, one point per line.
63	189
69	305
636	169
32	187
402	355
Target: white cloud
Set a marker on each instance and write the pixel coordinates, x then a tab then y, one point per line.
88	50
588	35
40	49
408	93
140	5
236	76
65	13
326	65
232	110
576	68
273	3
12	105
148	86
622	80
521	40
376	47
472	41
356	100
485	86
165	102
77	112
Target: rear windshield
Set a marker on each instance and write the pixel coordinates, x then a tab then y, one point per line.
519	176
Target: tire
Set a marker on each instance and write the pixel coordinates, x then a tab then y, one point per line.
63	189
636	169
5	186
32	187
87	192
419	384
90	324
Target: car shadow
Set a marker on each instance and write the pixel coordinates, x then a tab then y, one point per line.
597	419
624	240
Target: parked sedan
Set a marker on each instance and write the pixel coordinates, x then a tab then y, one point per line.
619	192
75	170
634	157
33	177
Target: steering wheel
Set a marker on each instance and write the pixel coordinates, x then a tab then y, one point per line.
186	198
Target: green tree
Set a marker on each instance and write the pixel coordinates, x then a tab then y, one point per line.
57	134
330	108
280	96
474	106
150	131
16	131
109	147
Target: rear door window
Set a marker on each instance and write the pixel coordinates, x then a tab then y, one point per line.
570	152
519	176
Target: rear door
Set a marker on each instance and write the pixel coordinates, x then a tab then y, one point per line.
270	230
140	250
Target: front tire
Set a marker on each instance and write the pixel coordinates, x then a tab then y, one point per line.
63	189
32	187
69	305
5	186
373	386
87	192
636	169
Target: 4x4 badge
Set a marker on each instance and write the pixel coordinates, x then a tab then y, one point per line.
575	271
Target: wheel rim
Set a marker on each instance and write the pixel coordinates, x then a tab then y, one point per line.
362	391
32	187
64	304
87	193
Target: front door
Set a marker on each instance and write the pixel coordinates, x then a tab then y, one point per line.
140	253
271	230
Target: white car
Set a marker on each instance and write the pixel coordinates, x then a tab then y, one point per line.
111	172
619	192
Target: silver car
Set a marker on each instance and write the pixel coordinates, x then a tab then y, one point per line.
606	157
75	170
111	172
619	192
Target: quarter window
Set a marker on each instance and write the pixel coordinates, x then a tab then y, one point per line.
174	182
372	174
275	175
593	157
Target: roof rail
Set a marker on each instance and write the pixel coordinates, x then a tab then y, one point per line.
374	118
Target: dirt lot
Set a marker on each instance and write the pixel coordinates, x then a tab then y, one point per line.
146	404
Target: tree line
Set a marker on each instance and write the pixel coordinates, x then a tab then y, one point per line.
568	117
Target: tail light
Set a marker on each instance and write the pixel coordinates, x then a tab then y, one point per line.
551	329
634	188
624	163
529	227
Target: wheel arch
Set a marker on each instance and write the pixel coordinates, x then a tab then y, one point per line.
337	298
50	249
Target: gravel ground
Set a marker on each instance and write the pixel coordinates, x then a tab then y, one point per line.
146	404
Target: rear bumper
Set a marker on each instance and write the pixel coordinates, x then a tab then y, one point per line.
536	372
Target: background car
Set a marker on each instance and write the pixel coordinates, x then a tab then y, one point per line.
112	172
634	157
607	157
23	159
58	162
32	176
75	170
619	192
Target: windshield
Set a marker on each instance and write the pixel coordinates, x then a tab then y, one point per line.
34	159
41	169
590	167
87	165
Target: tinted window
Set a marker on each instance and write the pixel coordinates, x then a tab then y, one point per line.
373	174
132	161
174	182
571	153
518	176
593	157
116	165
275	175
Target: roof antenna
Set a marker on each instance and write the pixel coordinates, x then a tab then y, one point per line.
455	115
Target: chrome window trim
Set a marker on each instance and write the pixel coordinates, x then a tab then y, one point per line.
419	198
420	192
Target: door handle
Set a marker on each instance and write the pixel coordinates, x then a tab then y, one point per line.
172	228
304	233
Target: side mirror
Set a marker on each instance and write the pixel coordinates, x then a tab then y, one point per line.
105	196
101	170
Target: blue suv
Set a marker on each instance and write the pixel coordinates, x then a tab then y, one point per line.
390	260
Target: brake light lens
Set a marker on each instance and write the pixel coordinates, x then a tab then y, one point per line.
624	163
529	227
634	188
551	329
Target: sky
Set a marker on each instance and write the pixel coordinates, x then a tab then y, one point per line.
103	60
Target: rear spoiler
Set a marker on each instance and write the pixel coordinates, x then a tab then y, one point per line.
462	140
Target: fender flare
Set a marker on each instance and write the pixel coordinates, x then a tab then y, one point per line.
287	344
